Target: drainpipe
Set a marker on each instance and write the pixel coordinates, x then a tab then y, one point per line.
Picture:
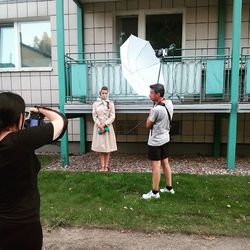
220	51
232	129
80	49
221	27
61	75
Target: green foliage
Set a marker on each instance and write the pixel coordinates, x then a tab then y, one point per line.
43	45
214	205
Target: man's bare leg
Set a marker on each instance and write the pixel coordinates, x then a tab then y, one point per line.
167	172
156	174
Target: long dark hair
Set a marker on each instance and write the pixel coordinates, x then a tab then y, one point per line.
11	107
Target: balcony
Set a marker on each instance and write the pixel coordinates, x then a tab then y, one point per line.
244	88
197	81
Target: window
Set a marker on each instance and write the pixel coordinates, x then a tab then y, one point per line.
164	30
125	26
161	30
25	45
35	44
7	54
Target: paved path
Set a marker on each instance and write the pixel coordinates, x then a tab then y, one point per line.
66	239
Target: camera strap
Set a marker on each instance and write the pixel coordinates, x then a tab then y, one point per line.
169	117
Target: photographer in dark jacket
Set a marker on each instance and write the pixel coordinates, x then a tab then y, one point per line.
20	226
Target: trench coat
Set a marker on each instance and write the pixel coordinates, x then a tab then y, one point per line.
103	112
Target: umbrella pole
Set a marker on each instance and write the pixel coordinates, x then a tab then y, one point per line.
135	126
159	73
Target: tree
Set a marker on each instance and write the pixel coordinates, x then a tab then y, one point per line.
43	45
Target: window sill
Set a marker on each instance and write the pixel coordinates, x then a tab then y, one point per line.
28	69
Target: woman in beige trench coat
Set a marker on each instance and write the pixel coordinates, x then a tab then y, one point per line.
103	140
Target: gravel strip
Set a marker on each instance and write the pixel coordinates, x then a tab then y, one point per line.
139	163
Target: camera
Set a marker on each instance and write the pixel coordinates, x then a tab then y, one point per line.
33	119
106	129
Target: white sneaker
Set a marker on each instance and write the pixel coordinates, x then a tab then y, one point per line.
151	195
165	190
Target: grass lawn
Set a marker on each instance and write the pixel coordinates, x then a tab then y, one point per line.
203	204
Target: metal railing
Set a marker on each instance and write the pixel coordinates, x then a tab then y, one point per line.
198	76
244	88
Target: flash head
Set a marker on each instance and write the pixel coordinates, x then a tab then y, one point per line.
161	53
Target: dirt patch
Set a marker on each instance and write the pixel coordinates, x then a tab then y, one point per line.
93	239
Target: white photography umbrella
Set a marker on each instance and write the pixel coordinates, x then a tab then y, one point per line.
140	66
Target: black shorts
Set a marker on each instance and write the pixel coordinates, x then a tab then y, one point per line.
157	153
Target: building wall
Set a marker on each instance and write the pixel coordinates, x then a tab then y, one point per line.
200	30
200	21
39	87
195	128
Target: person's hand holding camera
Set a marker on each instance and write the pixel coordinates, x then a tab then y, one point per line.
58	120
34	109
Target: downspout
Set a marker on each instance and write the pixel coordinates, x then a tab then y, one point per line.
80	49
221	27
61	75
232	129
220	51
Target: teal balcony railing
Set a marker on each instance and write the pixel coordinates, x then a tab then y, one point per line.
198	76
244	90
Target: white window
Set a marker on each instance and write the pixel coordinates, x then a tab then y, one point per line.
7	48
25	46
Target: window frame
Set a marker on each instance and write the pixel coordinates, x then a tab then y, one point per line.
17	49
142	21
123	16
